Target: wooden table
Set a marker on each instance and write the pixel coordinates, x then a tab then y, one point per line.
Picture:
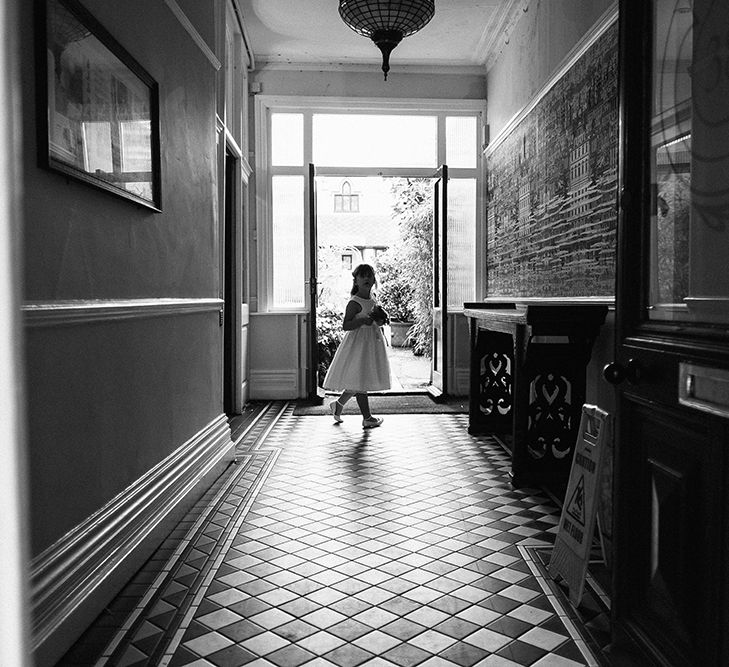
528	362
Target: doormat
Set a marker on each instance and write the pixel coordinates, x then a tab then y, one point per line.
389	405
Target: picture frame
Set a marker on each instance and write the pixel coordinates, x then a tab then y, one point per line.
98	108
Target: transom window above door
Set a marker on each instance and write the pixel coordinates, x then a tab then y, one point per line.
347	140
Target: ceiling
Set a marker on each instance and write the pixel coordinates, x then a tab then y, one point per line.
463	34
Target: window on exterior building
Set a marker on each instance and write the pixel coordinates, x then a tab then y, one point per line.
347	262
345	201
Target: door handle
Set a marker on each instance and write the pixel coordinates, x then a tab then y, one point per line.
616	373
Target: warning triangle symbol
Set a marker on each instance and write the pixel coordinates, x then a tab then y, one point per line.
576	506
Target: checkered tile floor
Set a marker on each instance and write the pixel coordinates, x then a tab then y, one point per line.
331	546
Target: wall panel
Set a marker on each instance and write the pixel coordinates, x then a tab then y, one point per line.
551	182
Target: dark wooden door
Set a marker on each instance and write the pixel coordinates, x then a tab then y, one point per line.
671	365
230	319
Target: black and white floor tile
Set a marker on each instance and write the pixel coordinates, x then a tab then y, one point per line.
332	546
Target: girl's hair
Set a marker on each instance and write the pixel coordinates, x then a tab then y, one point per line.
362	269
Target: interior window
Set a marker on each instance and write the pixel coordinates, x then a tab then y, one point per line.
373	145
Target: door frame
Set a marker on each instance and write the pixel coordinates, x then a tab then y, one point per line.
234	173
438	387
230	315
314	392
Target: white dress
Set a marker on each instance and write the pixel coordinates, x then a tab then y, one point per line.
360	363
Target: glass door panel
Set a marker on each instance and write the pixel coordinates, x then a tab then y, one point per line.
461	241
689	163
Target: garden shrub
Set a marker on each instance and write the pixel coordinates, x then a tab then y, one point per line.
329	334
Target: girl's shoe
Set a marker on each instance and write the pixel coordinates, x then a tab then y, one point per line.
371	422
333	410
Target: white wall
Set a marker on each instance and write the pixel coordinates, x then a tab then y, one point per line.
13	480
123	347
537	44
455	84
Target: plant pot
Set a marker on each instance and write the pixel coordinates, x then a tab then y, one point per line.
400	333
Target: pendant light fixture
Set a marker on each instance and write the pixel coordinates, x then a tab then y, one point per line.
386	23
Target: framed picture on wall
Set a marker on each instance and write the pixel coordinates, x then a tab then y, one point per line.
98	108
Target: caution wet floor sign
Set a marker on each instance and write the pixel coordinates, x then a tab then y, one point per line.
571	552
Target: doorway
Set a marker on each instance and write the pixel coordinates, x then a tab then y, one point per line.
228	314
385	222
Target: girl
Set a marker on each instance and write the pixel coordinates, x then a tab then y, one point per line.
360	363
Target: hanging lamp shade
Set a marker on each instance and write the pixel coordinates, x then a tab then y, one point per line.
386	23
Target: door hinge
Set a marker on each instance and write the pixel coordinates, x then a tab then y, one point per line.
221	317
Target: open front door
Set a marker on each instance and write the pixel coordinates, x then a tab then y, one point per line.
439	351
312	378
671	367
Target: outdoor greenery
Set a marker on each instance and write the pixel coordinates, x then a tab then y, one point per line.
332	295
413	256
394	293
329	334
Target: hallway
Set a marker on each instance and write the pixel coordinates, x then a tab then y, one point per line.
330	545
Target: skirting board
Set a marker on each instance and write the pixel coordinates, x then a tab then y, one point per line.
75	578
